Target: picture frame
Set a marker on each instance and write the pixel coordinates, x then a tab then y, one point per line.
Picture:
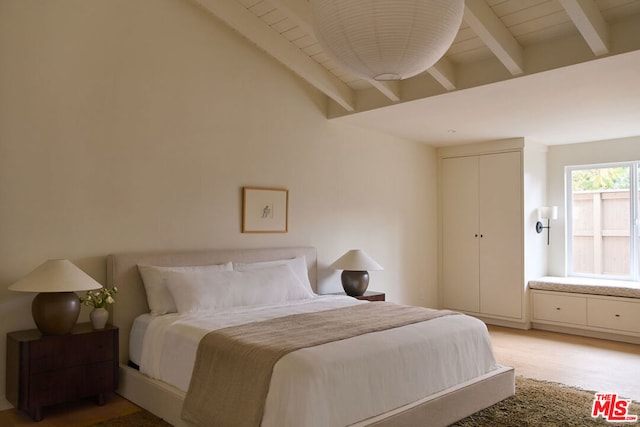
265	210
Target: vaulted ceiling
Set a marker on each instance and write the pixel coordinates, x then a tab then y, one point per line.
555	71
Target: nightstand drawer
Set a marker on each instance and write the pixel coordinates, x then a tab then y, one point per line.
100	376
49	388
51	353
98	348
53	387
48	354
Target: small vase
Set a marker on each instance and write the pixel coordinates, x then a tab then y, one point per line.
99	317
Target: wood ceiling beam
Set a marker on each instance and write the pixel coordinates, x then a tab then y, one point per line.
490	29
444	73
299	11
251	27
390	89
587	18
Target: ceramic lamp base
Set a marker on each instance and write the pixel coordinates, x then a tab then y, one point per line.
55	313
355	283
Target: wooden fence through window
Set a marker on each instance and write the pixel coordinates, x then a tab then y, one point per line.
601	227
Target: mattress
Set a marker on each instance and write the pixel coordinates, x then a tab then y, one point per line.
333	384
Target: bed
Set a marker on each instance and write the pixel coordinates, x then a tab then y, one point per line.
459	387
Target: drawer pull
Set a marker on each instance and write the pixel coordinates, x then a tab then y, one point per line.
617	315
558	308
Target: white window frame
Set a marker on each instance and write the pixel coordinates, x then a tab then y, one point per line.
634	219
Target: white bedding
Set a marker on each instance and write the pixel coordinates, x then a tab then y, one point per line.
338	383
136	337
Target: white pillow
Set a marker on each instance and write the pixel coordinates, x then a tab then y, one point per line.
155	281
298	265
226	289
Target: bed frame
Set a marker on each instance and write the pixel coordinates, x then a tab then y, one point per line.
165	401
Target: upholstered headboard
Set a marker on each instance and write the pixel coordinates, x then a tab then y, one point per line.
122	271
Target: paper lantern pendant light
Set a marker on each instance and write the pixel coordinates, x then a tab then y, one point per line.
386	39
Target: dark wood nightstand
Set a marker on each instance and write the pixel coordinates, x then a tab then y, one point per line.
52	369
368	295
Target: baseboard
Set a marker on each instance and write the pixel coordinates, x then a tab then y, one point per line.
4	404
506	323
586	333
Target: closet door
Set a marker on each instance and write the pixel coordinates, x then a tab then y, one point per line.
501	242
460	240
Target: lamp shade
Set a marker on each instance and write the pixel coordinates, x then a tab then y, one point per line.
386	39
56	275
548	212
355	260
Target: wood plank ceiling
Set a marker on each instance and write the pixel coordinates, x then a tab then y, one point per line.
498	40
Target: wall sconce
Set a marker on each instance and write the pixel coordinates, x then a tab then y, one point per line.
548	213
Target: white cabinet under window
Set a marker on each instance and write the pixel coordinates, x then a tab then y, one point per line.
583	311
617	314
559	308
482	234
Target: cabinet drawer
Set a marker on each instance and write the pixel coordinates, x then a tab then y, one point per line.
59	352
47	354
48	388
98	347
560	308
53	387
612	314
101	377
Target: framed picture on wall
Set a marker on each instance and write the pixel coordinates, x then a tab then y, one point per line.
265	210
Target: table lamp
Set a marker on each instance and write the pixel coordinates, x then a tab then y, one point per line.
56	308
354	265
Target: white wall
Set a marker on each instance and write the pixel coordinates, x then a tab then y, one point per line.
560	156
134	125
534	196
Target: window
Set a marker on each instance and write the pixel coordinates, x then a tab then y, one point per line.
602	220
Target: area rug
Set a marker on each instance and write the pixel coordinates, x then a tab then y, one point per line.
137	419
540	403
536	403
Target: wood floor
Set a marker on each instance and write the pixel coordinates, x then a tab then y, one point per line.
77	414
587	363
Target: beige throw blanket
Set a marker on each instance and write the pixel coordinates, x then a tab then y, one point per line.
233	366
